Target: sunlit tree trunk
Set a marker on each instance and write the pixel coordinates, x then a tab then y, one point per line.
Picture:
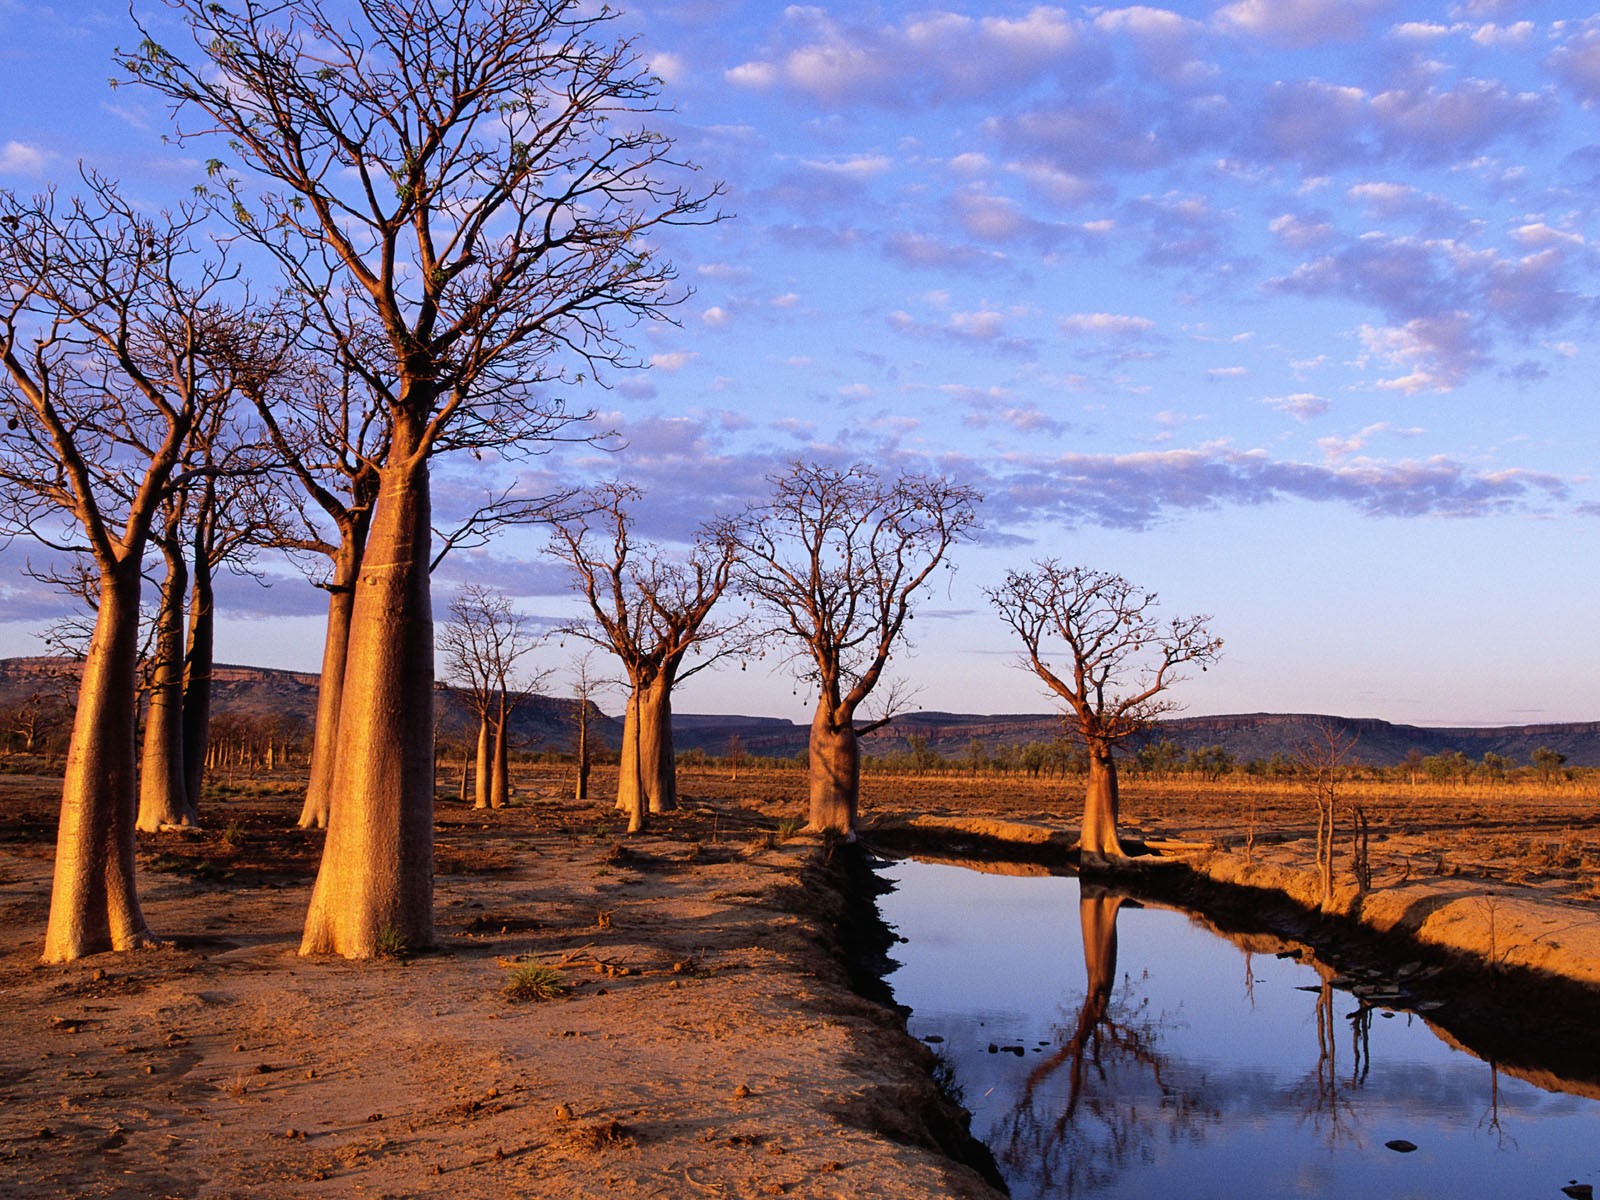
480	778
93	903
632	796
500	780
659	768
375	884
330	688
198	659
163	802
1101	808
835	761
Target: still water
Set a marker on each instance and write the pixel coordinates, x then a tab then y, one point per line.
1111	1050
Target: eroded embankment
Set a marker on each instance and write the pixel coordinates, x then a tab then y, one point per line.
1511	978
842	880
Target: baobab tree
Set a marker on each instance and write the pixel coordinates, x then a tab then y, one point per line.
218	515
330	432
1097	643
835	562
482	645
113	340
477	182
649	609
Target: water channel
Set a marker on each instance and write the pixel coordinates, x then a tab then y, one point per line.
1111	1049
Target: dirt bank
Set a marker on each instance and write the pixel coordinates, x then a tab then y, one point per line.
709	1043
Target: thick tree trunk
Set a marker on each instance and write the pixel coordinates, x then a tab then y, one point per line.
632	793
163	803
94	904
374	888
659	768
835	761
500	780
480	779
198	658
1101	808
330	689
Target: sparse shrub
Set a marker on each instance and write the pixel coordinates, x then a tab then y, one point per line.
392	944
534	981
788	827
233	835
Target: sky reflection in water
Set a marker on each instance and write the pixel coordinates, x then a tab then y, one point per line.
1166	1061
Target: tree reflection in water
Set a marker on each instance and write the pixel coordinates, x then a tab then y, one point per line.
1104	1098
1326	1102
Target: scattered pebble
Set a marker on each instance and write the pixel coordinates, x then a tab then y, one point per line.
1401	1146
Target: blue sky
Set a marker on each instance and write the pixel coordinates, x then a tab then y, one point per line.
1285	309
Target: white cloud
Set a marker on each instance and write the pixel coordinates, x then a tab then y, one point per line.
674	361
1302	406
759	75
669	67
1107	324
19	158
1300	22
860	167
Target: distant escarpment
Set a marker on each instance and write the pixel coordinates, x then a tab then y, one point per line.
288	698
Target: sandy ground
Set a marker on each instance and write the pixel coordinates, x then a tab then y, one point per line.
709	1044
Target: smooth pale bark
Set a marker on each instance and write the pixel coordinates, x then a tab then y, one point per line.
649	762
661	757
374	888
632	797
198	658
93	904
500	778
835	762
163	802
330	690
1101	808
480	783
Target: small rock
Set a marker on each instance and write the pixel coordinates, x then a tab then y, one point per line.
563	1112
1401	1146
1579	1191
741	1092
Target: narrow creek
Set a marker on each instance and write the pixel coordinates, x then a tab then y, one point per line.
1107	1048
